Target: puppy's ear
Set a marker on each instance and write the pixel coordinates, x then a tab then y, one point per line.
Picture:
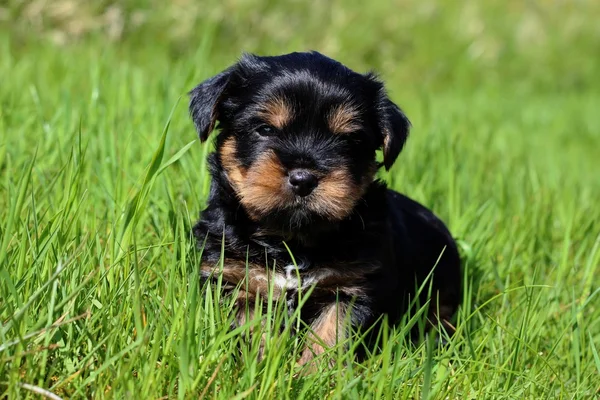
204	101
394	126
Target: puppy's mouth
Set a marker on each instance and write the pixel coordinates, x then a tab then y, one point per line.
301	196
271	193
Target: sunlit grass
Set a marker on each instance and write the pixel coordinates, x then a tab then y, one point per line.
101	181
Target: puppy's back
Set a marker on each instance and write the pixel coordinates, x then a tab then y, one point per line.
422	243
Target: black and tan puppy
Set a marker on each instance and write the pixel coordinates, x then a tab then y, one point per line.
295	163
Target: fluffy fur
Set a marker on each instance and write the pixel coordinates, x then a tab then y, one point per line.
363	247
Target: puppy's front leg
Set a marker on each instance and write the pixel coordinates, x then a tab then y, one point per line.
327	329
244	308
245	311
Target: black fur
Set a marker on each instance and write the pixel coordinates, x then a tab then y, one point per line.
381	249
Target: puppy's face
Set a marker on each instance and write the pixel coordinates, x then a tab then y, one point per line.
298	135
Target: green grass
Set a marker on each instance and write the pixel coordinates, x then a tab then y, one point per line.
99	295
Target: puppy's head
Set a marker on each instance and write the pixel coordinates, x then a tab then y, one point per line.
298	134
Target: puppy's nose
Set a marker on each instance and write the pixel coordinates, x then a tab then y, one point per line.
302	182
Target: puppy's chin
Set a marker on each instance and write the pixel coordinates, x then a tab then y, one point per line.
296	212
296	222
332	200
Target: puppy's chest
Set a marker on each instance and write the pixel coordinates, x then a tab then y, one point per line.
324	278
297	278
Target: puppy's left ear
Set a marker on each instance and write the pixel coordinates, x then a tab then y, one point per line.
394	126
204	101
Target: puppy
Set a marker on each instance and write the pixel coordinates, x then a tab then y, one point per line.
295	199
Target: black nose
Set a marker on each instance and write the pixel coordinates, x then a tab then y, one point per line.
302	182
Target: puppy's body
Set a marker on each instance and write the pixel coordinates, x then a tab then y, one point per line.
295	165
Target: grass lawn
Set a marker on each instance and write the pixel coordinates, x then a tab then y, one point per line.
101	178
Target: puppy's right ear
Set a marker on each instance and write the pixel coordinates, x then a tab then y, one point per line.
204	101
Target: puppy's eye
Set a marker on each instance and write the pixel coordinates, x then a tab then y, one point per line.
265	130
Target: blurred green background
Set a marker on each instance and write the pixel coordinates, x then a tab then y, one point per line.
454	45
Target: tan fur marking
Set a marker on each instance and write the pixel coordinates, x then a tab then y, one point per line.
386	144
386	139
348	278
277	112
337	193
326	330
254	279
263	190
234	170
246	312
343	119
245	307
260	187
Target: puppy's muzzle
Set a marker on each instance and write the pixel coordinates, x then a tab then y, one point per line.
302	181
